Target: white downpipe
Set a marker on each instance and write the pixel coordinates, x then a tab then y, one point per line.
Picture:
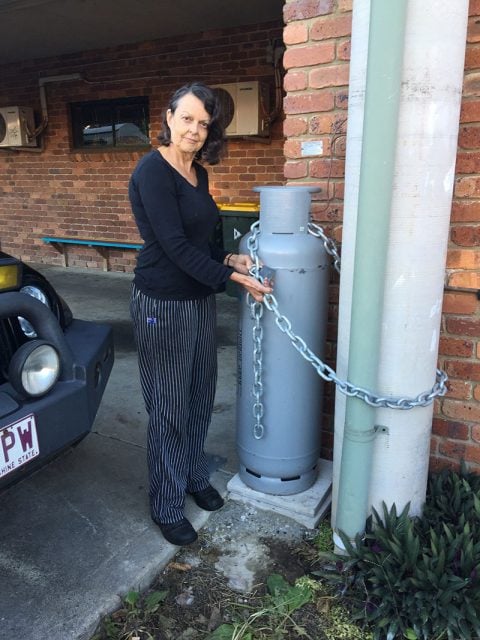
422	200
425	167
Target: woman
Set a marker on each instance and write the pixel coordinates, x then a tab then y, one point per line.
173	304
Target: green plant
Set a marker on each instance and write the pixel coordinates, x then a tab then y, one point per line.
131	621
275	615
335	617
452	499
324	540
417	578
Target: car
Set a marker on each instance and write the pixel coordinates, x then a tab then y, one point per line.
53	371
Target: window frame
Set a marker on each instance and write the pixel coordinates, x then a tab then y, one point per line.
76	124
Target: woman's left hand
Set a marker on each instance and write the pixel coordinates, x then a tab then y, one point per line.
252	285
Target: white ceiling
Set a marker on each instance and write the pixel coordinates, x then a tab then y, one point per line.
39	28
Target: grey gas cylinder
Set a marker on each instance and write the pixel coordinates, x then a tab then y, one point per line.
284	460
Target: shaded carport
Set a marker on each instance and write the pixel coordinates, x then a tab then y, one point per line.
40	28
77	534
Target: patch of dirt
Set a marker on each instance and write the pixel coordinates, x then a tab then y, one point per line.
221	579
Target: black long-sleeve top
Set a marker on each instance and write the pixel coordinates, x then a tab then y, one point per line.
176	220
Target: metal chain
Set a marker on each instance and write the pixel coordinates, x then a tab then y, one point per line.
329	244
327	373
256	310
323	370
256	313
252	244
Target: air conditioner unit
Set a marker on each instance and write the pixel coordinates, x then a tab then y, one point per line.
245	108
16	127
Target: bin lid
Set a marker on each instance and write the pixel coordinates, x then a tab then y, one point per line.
239	207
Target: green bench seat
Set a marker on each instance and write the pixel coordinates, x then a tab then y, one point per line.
102	246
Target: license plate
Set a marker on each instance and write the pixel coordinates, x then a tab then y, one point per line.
18	444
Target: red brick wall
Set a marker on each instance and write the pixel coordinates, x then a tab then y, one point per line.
65	192
456	425
317	35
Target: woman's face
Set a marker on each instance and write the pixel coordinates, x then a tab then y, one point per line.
188	124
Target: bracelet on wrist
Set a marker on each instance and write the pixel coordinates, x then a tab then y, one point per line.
228	259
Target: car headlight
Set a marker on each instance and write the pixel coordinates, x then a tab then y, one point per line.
37	293
10	274
34	368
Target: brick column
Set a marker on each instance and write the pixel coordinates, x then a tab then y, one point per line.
456	426
317	37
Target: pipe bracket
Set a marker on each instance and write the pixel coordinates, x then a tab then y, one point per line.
381	429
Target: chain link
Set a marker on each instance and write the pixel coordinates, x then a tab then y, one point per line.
323	370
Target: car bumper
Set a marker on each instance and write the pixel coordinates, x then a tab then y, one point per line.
64	415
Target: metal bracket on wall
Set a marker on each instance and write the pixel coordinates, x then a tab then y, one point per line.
464	290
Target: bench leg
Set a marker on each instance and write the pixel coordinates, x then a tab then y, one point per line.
103	251
63	250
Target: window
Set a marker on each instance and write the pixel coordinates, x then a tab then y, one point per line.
105	124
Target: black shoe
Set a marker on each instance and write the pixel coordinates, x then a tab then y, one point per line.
179	533
208	499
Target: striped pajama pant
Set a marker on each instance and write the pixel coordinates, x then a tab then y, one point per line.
177	357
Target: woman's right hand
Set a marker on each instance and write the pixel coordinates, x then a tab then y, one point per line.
255	288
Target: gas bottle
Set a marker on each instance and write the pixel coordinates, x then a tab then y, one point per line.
284	459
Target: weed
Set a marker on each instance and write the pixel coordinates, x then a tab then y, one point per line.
275	617
323	540
133	620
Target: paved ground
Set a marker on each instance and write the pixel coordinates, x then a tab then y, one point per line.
77	535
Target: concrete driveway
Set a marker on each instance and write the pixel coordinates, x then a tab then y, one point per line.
77	535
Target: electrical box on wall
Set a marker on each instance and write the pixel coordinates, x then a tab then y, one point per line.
17	125
245	108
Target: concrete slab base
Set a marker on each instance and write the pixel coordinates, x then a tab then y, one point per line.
307	508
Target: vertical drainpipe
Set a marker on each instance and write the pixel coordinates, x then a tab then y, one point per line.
356	110
383	83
